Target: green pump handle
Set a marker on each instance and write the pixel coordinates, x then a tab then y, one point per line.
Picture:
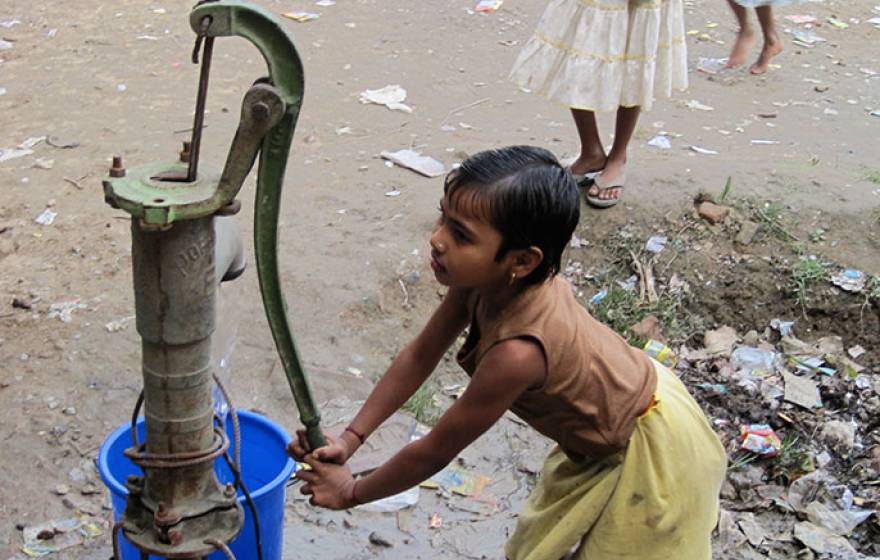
277	103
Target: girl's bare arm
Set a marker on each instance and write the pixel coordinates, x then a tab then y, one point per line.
414	364
506	371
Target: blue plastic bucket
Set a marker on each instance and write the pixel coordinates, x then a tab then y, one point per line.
265	467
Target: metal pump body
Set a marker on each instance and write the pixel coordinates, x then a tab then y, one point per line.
178	509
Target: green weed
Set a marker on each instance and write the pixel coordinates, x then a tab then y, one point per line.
872	295
741	461
872	288
421	405
806	273
770	217
621	309
793	461
728	186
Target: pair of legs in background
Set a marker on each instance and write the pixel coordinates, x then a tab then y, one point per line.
746	38
608	185
613	55
610	170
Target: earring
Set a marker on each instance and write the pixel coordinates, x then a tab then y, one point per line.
512	279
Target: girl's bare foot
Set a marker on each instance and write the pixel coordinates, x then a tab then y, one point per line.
772	47
588	164
740	52
609	183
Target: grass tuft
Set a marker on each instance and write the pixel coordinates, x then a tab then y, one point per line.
793	461
808	272
421	405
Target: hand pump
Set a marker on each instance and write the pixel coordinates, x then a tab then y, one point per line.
180	250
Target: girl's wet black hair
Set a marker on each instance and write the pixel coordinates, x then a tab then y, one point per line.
524	193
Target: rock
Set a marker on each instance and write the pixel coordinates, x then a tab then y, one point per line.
720	341
727	533
801	391
749	477
840	436
61	489
830	345
806	554
822	540
776	494
411	278
747	231
648	328
750	527
7	247
80	506
379	540
712	212
372	304
728	490
751	338
77	476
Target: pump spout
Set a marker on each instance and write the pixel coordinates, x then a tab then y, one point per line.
229	258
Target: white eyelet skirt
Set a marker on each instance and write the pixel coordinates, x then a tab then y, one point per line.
598	55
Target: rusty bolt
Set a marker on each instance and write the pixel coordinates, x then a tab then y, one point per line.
175	537
186	152
260	111
117	169
164	516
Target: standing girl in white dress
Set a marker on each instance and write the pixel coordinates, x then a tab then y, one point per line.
745	38
605	55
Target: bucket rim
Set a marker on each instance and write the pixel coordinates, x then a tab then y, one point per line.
117	487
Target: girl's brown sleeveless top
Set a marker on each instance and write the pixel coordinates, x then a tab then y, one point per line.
597	385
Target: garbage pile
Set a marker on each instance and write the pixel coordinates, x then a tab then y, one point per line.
800	422
796	401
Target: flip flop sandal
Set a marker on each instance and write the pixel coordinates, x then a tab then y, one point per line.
585	179
596	202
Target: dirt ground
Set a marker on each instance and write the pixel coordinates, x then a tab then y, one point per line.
98	79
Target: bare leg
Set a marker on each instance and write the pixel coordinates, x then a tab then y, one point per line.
615	167
592	156
745	38
772	44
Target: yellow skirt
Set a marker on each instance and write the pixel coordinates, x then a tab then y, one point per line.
657	499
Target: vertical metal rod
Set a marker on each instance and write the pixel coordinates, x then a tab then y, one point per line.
199	119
